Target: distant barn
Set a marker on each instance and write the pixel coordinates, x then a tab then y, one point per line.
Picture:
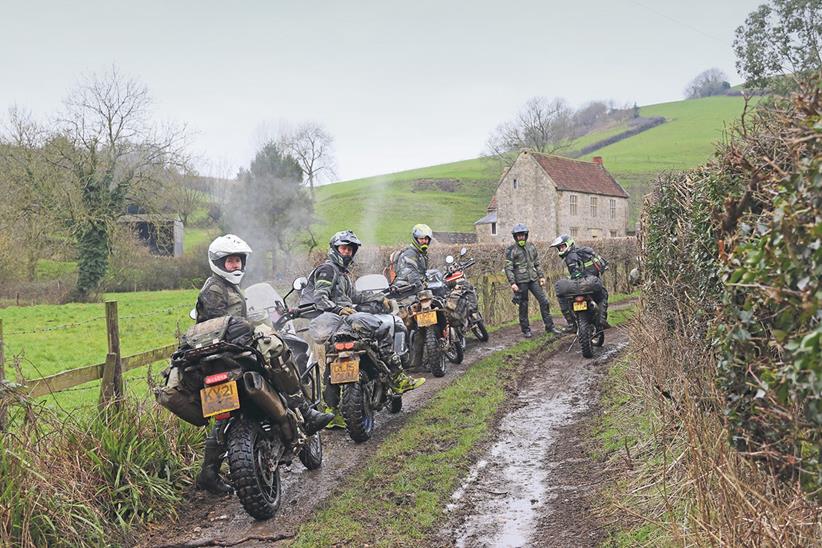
162	234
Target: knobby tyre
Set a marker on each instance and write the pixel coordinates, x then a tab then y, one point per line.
311	454
455	352
585	333
255	474
480	332
356	409
434	356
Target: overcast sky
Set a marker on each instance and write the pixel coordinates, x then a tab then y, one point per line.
399	84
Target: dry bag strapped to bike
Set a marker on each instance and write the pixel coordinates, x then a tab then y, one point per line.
581	286
181	395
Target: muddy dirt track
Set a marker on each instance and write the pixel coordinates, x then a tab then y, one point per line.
513	496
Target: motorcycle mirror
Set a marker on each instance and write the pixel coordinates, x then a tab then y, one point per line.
449	259
463	251
300	283
193	314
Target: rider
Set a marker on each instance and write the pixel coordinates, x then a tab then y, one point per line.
221	296
581	261
525	274
331	290
411	263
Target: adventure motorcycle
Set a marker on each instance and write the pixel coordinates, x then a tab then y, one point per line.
463	296
586	311
355	361
429	335
222	371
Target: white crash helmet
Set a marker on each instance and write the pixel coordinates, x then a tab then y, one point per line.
221	248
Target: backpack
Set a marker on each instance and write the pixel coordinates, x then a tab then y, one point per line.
390	271
307	293
590	258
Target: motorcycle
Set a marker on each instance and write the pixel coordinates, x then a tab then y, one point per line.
586	311
221	371
459	297
356	362
429	335
455	344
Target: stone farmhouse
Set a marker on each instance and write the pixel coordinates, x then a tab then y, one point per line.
555	195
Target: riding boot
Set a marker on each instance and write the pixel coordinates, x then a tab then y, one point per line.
400	380
209	478
314	420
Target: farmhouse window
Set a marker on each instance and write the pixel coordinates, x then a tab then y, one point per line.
515	184
573	201
613	234
493	228
613	208
574	231
593	206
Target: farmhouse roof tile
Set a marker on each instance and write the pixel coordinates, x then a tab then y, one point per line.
579	176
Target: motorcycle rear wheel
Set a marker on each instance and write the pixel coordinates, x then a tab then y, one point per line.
434	356
355	406
585	333
255	472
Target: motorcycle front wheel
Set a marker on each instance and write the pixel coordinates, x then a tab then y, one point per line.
455	352
255	473
479	331
311	454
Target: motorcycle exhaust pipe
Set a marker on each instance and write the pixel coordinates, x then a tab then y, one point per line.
269	401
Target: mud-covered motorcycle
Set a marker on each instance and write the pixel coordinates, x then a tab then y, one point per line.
358	373
221	370
463	296
429	335
586	311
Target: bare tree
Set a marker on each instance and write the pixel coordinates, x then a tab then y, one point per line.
179	194
30	209
313	149
110	152
543	125
707	83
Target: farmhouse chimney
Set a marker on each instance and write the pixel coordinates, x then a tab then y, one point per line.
598	160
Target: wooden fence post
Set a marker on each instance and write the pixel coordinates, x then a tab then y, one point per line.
2	379
111	385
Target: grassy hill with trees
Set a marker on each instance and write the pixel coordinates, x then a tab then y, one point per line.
450	197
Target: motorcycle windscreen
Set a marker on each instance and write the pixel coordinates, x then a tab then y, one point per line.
371	282
261	300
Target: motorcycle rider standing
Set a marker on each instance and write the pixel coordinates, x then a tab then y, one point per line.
524	273
221	296
581	262
330	289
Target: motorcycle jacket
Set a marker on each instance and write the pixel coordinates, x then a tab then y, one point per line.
218	297
522	264
330	287
411	266
584	261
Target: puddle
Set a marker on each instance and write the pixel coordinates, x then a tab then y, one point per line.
507	490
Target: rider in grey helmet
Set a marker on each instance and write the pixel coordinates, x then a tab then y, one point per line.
524	273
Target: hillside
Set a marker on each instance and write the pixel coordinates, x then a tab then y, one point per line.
450	197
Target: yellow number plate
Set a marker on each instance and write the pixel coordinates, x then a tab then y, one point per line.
580	305
425	319
345	370
219	398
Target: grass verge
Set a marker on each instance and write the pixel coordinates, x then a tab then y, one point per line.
397	498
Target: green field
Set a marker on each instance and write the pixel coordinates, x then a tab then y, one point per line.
52	338
382	209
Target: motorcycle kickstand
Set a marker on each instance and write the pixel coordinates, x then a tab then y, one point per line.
576	338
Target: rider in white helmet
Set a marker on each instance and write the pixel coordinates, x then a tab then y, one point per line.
221	296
